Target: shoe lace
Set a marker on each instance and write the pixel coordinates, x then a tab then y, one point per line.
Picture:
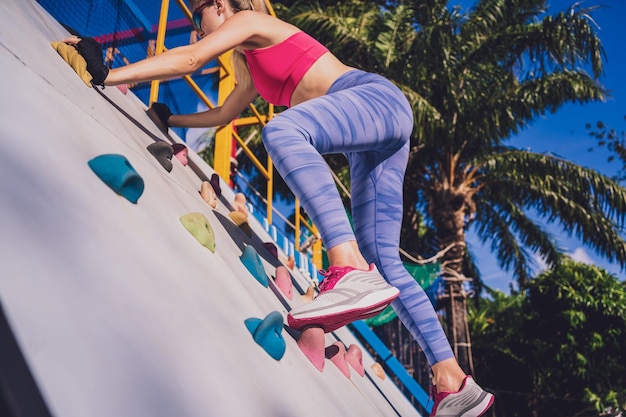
331	276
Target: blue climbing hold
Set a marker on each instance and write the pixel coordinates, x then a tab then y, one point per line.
116	172
252	261
267	333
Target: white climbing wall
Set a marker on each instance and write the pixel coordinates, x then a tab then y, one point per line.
117	309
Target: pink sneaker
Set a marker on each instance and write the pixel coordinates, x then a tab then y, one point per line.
346	295
469	401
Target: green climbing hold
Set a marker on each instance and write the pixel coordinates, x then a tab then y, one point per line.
198	225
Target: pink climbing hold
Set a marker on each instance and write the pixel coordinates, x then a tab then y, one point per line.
123	88
181	153
311	343
283	281
354	357
337	355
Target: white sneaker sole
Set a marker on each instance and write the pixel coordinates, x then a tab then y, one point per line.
332	317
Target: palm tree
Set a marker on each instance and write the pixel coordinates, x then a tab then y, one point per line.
474	79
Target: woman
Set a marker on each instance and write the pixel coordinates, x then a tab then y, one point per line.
333	108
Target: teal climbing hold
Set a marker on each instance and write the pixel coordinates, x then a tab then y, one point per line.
267	333
116	172
252	261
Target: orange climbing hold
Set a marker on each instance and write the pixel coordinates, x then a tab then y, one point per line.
378	370
240	204
307	297
208	194
289	262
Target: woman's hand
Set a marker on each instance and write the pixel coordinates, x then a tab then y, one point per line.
91	51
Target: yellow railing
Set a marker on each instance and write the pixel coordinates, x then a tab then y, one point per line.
225	134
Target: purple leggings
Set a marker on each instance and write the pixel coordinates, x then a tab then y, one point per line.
369	120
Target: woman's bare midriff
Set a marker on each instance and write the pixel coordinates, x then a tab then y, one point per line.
319	78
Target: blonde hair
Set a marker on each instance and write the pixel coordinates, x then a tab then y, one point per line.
242	72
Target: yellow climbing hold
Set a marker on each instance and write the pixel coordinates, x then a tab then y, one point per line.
76	61
241	220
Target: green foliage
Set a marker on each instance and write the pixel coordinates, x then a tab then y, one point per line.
614	140
559	347
474	79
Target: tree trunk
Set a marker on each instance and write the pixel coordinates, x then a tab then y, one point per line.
454	304
448	213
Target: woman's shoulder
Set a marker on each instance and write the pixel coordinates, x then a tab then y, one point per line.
253	17
266	29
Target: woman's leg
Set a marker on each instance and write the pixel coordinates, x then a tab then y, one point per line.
369	120
377	215
345	120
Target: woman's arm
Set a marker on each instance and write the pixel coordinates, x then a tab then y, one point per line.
184	60
234	104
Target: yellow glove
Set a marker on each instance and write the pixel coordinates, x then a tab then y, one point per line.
76	61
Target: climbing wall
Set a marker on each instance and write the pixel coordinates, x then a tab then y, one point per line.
128	294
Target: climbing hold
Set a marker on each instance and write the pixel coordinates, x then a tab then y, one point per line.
307	297
215	183
271	248
198	225
378	370
181	153
311	343
290	262
252	261
283	281
163	153
240	204
70	54
267	333
354	357
337	355
241	220
208	194
116	172
123	88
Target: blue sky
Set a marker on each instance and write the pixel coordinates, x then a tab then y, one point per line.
563	133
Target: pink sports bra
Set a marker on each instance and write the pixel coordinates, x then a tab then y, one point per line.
277	69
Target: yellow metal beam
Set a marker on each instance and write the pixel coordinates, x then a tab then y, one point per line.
224	136
160	46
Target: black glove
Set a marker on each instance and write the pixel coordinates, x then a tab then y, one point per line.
92	52
159	113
